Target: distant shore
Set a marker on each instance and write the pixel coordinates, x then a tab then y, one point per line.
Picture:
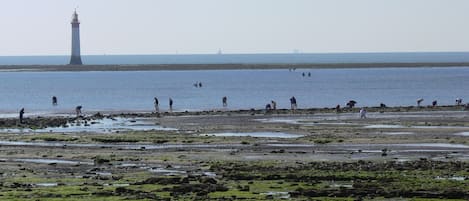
181	67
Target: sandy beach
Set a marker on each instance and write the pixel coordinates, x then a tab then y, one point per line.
241	155
166	67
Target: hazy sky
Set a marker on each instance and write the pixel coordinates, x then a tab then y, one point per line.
42	27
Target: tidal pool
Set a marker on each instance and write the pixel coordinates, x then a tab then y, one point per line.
106	125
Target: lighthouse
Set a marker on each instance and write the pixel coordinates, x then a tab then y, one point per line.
75	58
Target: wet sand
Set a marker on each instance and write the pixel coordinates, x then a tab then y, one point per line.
33	68
245	155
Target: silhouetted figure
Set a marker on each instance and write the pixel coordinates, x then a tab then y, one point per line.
363	113
351	103
21	115
309	74
293	103
419	101
458	101
157	104
303	74
382	105
274	105
337	108
170	104
54	100
225	101
200	84
434	103
268	107
78	110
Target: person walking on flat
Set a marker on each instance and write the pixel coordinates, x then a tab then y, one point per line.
78	110
157	104
224	100
293	103
21	115
54	101
170	104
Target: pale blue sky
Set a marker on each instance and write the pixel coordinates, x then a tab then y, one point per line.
42	27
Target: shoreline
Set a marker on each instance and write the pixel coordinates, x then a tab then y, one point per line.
184	67
61	119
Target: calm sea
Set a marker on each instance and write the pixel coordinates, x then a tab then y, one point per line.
243	58
245	89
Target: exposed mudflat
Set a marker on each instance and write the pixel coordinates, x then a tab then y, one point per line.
403	152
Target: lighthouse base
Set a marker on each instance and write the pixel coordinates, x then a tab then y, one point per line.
75	60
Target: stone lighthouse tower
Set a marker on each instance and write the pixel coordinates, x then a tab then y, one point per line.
75	59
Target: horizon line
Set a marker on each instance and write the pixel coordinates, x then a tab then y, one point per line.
265	53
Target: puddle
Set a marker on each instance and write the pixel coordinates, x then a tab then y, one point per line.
290	145
341	185
257	134
439	145
120	185
462	134
46	184
120	146
397	133
281	195
103	173
307	122
167	172
210	174
421	127
106	125
383	126
455	178
49	161
275	120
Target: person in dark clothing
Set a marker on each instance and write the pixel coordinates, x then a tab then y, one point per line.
21	115
78	110
434	103
337	108
351	103
157	105
54	100
224	100
170	104
268	107
274	105
293	103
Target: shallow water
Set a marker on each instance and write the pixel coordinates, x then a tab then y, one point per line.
97	126
245	89
121	146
